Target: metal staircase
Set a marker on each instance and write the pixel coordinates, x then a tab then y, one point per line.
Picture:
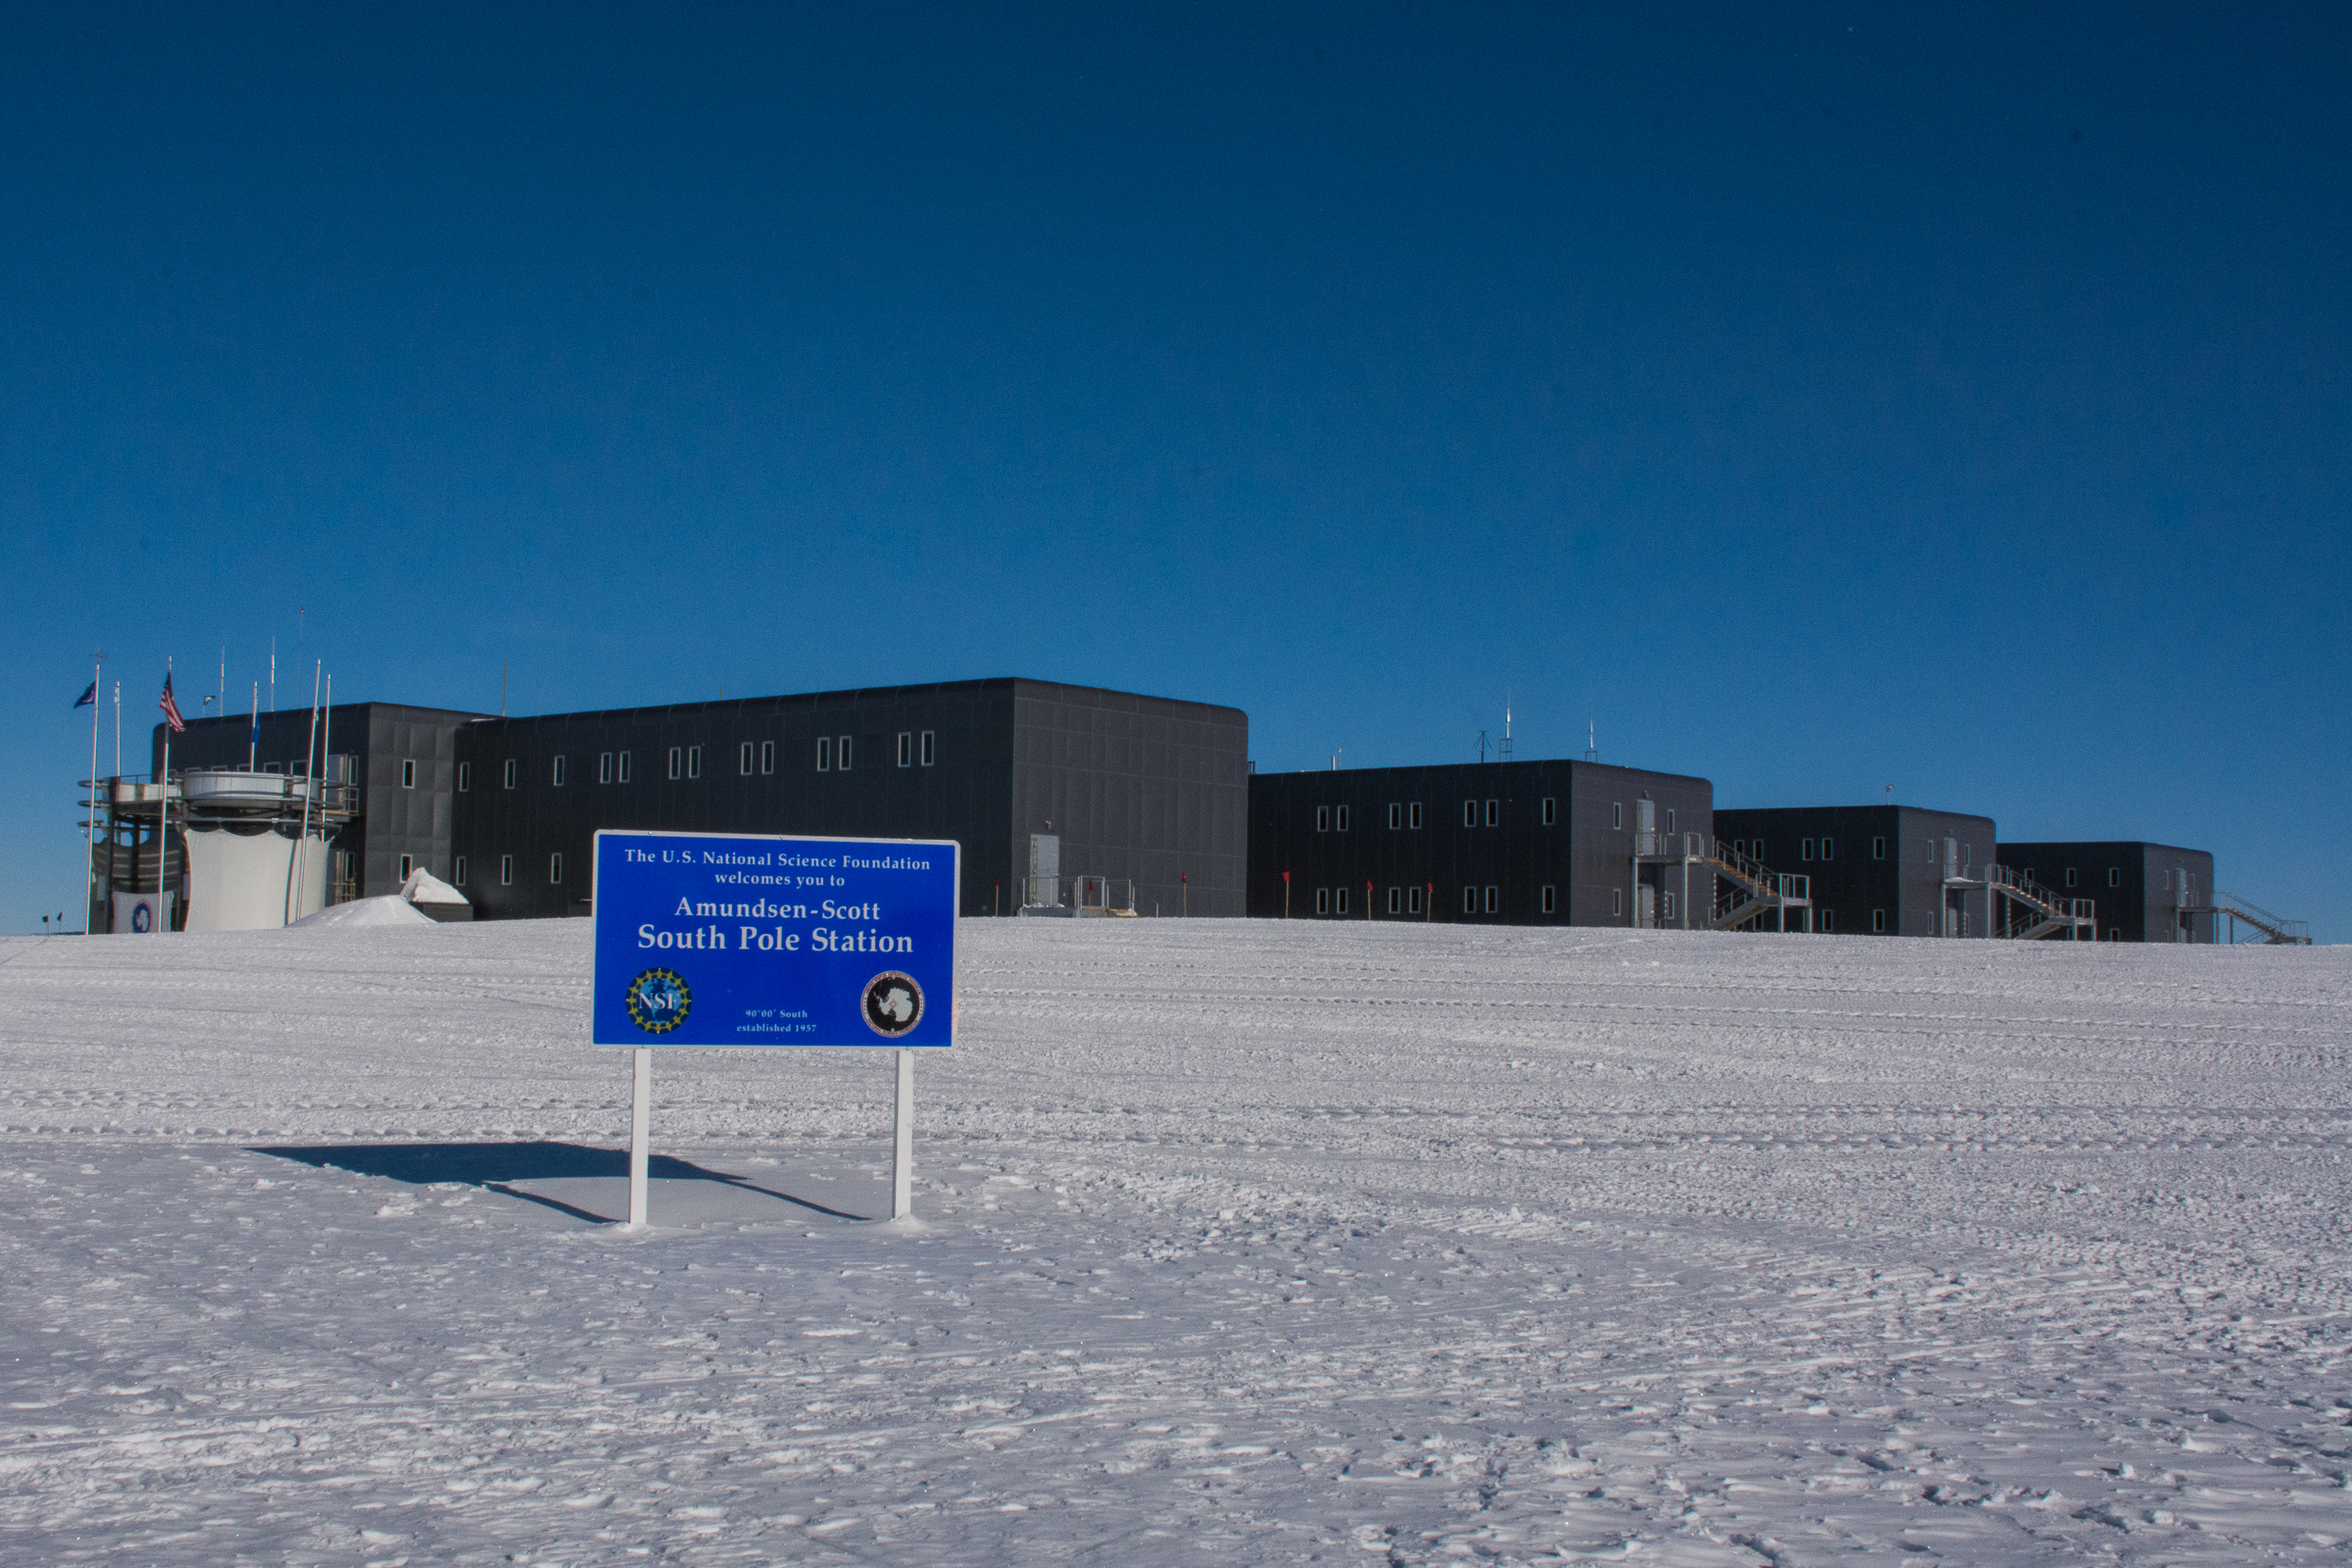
2276	932
2027	912
1744	890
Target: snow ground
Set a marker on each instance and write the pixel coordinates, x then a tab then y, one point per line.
1244	1242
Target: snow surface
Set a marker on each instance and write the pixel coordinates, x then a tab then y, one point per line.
390	909
1249	1242
422	887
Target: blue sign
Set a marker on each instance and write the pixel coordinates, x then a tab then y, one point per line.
711	938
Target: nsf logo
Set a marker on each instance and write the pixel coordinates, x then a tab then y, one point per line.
659	1000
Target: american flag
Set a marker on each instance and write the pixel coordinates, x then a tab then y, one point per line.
170	707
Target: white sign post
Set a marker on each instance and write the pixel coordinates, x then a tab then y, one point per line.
707	939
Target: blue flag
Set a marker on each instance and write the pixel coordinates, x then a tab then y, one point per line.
89	698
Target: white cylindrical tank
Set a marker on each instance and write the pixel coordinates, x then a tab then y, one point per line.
247	881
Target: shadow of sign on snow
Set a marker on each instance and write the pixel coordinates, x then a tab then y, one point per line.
497	1167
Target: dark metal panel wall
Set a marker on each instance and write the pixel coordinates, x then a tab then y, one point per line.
1140	788
964	795
1853	882
1582	855
2138	909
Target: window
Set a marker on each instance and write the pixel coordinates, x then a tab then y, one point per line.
1877	849
408	772
930	747
505	870
2115	933
1412	900
1494	903
508	774
273	767
1551	811
603	768
465	776
1829	849
1804	850
1339	901
1322	819
744	757
677	761
1412	815
556	773
1616	900
1617	814
1396	816
906	748
2073	878
458	872
840	753
1551	900
767	756
1322	901
693	761
555	868
1341	821
1395	901
1755	849
1469	813
1469	900
2115	876
1493	813
1669	822
1878	922
824	754
623	761
408	869
1828	921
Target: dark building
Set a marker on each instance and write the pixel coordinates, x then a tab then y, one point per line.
400	763
1890	870
2143	892
1536	843
1140	789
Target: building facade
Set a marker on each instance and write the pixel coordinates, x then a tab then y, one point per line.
1137	789
1144	792
398	763
2145	892
1534	842
1878	870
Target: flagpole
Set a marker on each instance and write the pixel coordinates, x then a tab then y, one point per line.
310	787
89	829
327	744
163	814
253	736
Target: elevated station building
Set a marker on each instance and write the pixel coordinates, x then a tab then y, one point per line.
2143	892
1517	843
1885	870
1145	794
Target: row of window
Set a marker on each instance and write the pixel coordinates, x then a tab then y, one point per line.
1407	815
2074	878
506	869
834	755
1408	901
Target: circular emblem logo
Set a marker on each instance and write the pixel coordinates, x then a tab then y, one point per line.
142	918
894	1003
659	1001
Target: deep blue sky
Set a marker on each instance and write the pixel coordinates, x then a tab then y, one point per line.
1817	399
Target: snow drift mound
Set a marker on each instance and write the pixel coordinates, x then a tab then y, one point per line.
389	910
